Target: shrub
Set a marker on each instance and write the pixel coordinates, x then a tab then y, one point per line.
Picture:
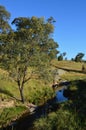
61	120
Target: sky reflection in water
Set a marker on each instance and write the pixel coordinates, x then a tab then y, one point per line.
60	97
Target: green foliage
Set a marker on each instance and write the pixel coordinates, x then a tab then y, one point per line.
61	120
79	57
4	17
42	124
60	57
30	46
8	114
40	96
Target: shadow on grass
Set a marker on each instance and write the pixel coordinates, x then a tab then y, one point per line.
27	120
77	97
6	92
76	106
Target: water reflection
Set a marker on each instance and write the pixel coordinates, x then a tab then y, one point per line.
60	97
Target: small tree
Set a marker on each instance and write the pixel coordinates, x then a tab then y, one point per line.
79	57
60	57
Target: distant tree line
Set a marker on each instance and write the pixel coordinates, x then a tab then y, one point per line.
62	56
77	58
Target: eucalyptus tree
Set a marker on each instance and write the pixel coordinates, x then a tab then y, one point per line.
4	17
28	50
79	57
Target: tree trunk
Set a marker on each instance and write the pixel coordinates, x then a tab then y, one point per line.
21	91
22	95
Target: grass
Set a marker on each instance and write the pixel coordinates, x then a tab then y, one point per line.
35	90
69	64
72	114
7	115
73	76
8	88
76	105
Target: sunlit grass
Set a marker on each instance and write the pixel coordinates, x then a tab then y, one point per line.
9	114
73	76
69	64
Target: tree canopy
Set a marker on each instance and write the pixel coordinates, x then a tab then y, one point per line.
79	57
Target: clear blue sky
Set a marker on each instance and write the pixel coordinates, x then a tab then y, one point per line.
70	16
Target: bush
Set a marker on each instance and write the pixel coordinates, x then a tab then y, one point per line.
61	120
39	96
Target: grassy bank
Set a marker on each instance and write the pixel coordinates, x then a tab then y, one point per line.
8	115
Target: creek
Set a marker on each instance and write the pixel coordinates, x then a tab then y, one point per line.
26	122
60	93
60	97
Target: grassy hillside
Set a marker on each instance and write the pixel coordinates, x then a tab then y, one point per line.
8	87
36	90
69	64
73	70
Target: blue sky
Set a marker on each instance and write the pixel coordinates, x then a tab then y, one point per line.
70	16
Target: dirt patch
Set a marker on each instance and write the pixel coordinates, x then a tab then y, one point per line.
6	104
61	72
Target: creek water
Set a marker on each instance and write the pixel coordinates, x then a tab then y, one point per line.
60	97
26	122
